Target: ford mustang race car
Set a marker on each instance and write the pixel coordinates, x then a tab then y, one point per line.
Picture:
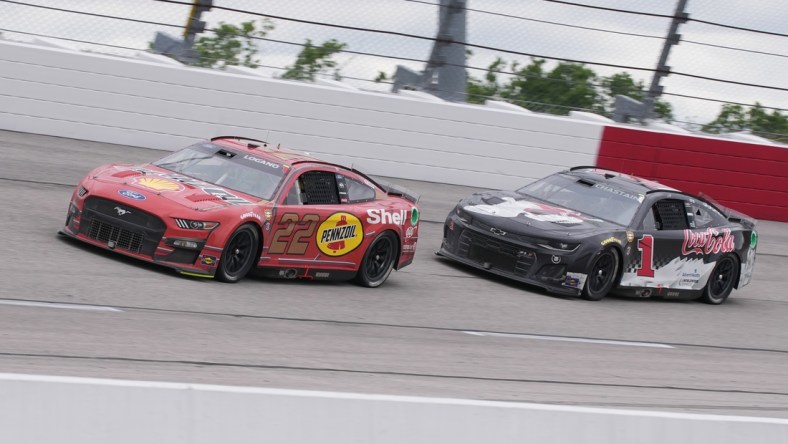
589	231
221	207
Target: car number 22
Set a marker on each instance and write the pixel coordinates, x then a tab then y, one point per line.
290	240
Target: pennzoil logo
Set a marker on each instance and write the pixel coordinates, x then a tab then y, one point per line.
340	234
158	184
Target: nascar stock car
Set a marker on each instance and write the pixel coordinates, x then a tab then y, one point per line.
221	207
589	232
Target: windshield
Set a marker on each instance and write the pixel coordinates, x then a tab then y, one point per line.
214	164
595	199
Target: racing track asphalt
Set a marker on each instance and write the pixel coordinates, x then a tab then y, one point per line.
120	318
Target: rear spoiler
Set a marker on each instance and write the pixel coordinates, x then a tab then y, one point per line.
729	213
390	188
396	190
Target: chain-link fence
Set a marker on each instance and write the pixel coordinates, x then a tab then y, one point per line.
731	53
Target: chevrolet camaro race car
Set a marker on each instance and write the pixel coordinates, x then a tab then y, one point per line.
589	231
221	207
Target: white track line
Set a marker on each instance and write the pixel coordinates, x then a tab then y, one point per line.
56	305
567	339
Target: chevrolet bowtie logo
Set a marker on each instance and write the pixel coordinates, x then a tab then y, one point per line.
497	232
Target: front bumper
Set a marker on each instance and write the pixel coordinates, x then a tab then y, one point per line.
502	255
143	236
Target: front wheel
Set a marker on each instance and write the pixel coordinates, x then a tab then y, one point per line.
601	275
239	255
378	261
720	283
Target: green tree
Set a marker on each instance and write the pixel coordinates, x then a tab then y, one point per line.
232	45
481	90
566	87
623	84
313	60
756	119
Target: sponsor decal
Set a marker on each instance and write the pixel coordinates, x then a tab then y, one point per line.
497	231
645	293
575	280
386	217
340	234
410	232
555	259
204	186
753	239
158	184
672	294
208	260
131	195
707	242
267	226
509	207
267	163
409	248
690	278
617	192
122	211
322	274
251	214
681	273
610	240
630	236
225	195
268	214
414	216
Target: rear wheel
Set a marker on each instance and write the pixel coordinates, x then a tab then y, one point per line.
720	284
239	254
601	275
378	260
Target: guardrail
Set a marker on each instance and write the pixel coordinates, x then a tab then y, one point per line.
155	102
67	410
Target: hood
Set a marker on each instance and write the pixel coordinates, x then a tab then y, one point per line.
183	190
520	214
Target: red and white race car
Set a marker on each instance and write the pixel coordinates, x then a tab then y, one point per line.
221	207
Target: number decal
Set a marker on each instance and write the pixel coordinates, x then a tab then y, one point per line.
299	245
646	248
282	242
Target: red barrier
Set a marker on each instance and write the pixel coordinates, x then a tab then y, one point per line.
747	177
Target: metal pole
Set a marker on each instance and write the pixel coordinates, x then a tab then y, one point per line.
673	38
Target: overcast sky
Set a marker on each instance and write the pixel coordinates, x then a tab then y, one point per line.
522	32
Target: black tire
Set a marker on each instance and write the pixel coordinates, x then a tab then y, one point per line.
378	261
601	275
239	255
720	284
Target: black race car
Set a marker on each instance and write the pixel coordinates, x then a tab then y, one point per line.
589	231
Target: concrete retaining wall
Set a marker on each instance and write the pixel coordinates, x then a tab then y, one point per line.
65	410
155	102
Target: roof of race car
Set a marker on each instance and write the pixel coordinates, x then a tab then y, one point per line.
261	148
619	180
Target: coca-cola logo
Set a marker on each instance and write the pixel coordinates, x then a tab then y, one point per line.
707	242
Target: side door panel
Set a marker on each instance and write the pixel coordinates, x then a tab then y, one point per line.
311	229
656	259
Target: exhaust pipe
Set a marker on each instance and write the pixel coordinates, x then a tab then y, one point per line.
291	273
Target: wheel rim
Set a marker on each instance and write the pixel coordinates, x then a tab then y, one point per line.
239	250
379	259
722	279
602	272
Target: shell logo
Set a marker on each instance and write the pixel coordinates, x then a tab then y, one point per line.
340	234
159	184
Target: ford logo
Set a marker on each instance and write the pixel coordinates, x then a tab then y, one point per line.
131	194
